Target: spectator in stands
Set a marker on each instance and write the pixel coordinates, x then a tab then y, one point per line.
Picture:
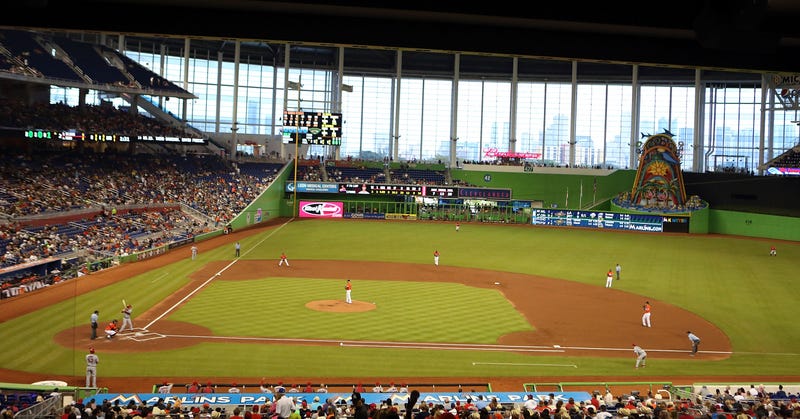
780	394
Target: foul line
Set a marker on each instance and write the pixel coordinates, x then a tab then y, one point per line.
382	344
518	364
555	349
207	281
164	275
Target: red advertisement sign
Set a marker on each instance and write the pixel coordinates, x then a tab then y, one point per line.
318	209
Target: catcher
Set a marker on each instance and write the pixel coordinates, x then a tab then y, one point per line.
111	329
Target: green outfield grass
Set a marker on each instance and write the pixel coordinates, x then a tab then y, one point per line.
732	282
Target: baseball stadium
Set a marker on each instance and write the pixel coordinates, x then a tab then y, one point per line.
200	225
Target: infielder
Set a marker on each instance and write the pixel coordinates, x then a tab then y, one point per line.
436	257
646	314
695	342
91	368
641	356
126	318
347	289
609	278
283	259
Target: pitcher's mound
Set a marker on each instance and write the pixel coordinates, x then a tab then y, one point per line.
339	306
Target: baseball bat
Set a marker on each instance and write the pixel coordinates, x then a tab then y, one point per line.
124	304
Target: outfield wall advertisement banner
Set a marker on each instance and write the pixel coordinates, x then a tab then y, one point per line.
191	399
604	219
312	209
313	187
398	189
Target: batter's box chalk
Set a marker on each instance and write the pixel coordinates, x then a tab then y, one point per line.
144	337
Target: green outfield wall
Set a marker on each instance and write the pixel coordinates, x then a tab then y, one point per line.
754	225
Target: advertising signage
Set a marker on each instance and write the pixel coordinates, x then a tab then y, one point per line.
450	192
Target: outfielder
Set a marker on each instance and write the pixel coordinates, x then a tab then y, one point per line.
91	368
641	356
436	257
347	289
126	318
646	314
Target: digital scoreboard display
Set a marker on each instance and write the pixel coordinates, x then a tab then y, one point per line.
605	219
313	128
380	189
74	135
441	191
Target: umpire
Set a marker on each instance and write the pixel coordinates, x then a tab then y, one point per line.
93	321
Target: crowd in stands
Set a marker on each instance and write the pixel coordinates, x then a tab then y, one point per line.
64	181
790	159
148	190
313	403
102	119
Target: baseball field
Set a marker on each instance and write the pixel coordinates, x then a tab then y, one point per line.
508	304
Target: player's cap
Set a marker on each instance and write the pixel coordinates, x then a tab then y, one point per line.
91	350
633	344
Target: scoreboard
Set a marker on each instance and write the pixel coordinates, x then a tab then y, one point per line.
314	128
609	220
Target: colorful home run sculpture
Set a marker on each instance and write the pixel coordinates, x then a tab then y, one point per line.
659	182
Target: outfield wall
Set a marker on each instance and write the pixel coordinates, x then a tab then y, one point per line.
585	189
754	225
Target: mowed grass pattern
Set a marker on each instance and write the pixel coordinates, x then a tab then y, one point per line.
473	315
730	281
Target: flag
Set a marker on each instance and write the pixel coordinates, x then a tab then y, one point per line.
294	85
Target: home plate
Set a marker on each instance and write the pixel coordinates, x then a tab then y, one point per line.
497	283
556	346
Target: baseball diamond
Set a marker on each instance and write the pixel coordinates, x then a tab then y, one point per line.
561	318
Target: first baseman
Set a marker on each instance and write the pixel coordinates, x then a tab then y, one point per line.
695	341
641	356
